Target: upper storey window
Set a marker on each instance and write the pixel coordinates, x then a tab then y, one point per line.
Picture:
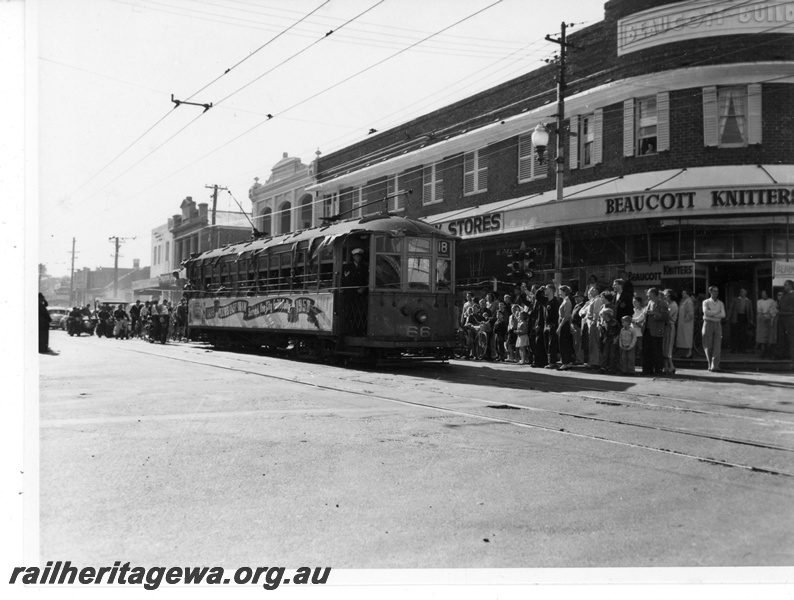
646	125
432	184
586	142
732	116
528	166
395	190
475	172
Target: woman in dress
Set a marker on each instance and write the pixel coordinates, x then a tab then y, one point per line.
638	323
767	311
668	344
686	324
590	312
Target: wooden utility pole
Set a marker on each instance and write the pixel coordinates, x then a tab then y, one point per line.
117	240
560	159
215	189
71	280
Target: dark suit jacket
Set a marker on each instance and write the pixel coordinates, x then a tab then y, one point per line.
657	315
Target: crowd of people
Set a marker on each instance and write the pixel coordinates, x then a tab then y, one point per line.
611	330
152	320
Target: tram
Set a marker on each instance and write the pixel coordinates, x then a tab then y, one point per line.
295	291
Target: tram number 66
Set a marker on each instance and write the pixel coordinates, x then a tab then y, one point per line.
416	333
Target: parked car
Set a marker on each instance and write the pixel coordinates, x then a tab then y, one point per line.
58	314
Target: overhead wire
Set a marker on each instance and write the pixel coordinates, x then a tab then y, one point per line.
161	119
379	41
315	95
551	91
479	117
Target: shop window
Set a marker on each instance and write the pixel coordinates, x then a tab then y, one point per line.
710	244
395	190
528	166
475	172
432	184
749	243
732	116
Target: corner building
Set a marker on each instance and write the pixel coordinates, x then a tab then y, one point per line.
678	152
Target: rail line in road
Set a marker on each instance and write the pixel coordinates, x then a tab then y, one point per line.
489	404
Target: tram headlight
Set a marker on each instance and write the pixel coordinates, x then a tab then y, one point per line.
405	310
420	316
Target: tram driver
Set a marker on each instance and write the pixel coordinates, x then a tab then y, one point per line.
355	282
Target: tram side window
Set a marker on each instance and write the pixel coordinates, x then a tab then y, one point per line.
273	273
235	275
249	280
208	276
299	270
418	271
310	271
326	259
388	262
285	271
261	264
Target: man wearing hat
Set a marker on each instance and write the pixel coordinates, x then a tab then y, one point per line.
355	280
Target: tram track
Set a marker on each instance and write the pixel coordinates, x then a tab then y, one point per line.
489	405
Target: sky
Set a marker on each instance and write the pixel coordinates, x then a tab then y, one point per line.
115	156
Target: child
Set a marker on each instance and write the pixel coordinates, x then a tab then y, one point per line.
512	333
522	343
487	326
627	340
609	329
499	337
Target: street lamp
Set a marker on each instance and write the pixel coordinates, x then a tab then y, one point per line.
540	139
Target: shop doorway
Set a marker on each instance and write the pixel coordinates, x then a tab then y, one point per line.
730	278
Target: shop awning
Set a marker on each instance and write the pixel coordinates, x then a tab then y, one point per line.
674	193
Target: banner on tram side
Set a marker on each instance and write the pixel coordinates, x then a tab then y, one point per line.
299	312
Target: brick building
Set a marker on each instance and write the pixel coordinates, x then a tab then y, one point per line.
678	157
282	204
195	230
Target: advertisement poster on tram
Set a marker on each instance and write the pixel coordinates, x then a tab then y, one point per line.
299	312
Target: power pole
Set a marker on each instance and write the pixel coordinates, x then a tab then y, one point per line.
560	159
117	240
215	189
71	280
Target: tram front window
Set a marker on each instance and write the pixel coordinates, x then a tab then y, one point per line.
419	273
388	263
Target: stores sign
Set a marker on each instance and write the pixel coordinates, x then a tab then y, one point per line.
487	224
699	19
